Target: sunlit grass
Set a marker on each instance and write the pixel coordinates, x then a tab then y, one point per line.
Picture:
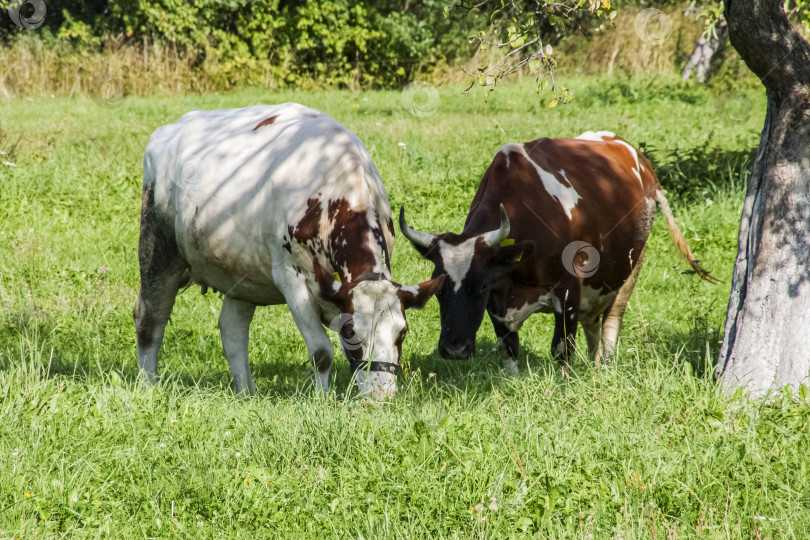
648	447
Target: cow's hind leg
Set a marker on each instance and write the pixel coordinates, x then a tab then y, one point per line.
234	327
566	319
593	330
508	345
612	325
163	272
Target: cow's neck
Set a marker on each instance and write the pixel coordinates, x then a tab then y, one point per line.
355	245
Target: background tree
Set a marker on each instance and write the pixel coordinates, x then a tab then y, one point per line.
709	43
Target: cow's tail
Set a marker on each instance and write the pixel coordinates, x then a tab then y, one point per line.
679	240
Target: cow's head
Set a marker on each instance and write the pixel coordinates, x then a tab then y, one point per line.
372	324
474	265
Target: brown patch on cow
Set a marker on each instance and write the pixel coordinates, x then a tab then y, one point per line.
321	360
348	243
308	227
266	122
157	248
287	246
144	327
390	225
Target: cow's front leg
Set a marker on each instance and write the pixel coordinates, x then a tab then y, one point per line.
234	327
508	344
591	324
508	341
566	319
308	320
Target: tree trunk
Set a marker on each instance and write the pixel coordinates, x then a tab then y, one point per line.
706	47
767	336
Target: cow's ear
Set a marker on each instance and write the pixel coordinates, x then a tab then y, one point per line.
417	296
509	255
331	288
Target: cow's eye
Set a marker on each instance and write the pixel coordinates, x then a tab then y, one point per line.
347	331
402	334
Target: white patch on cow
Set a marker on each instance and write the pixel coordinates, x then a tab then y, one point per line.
346	272
593	302
510	367
457	259
598	136
608	136
508	148
567	196
634	153
413	289
546	303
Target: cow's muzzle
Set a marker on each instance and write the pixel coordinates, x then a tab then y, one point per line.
456	351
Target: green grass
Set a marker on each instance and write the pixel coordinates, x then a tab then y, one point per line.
647	448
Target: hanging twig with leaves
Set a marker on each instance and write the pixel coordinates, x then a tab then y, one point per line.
518	29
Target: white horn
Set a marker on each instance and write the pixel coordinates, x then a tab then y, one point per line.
494	238
419	238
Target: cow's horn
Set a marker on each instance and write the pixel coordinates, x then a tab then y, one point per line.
419	238
494	238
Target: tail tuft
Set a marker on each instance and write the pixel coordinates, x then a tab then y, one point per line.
680	242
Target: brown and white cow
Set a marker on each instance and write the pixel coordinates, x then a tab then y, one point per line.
557	226
273	205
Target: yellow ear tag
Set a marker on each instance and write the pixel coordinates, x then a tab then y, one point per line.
520	256
507	242
336	276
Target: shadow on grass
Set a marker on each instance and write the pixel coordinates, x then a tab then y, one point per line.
42	352
690	172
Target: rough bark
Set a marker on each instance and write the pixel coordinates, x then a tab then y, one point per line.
706	47
766	344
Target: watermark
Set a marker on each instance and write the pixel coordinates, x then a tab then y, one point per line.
580	259
108	92
508	493
653	26
343	325
27	14
421	99
735	107
191	172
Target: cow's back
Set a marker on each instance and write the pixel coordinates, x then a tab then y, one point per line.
231	183
595	188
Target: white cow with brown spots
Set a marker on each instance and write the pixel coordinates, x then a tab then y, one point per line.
273	205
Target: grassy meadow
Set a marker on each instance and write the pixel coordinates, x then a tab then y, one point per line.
646	448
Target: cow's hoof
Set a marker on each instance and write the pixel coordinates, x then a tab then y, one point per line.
510	367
